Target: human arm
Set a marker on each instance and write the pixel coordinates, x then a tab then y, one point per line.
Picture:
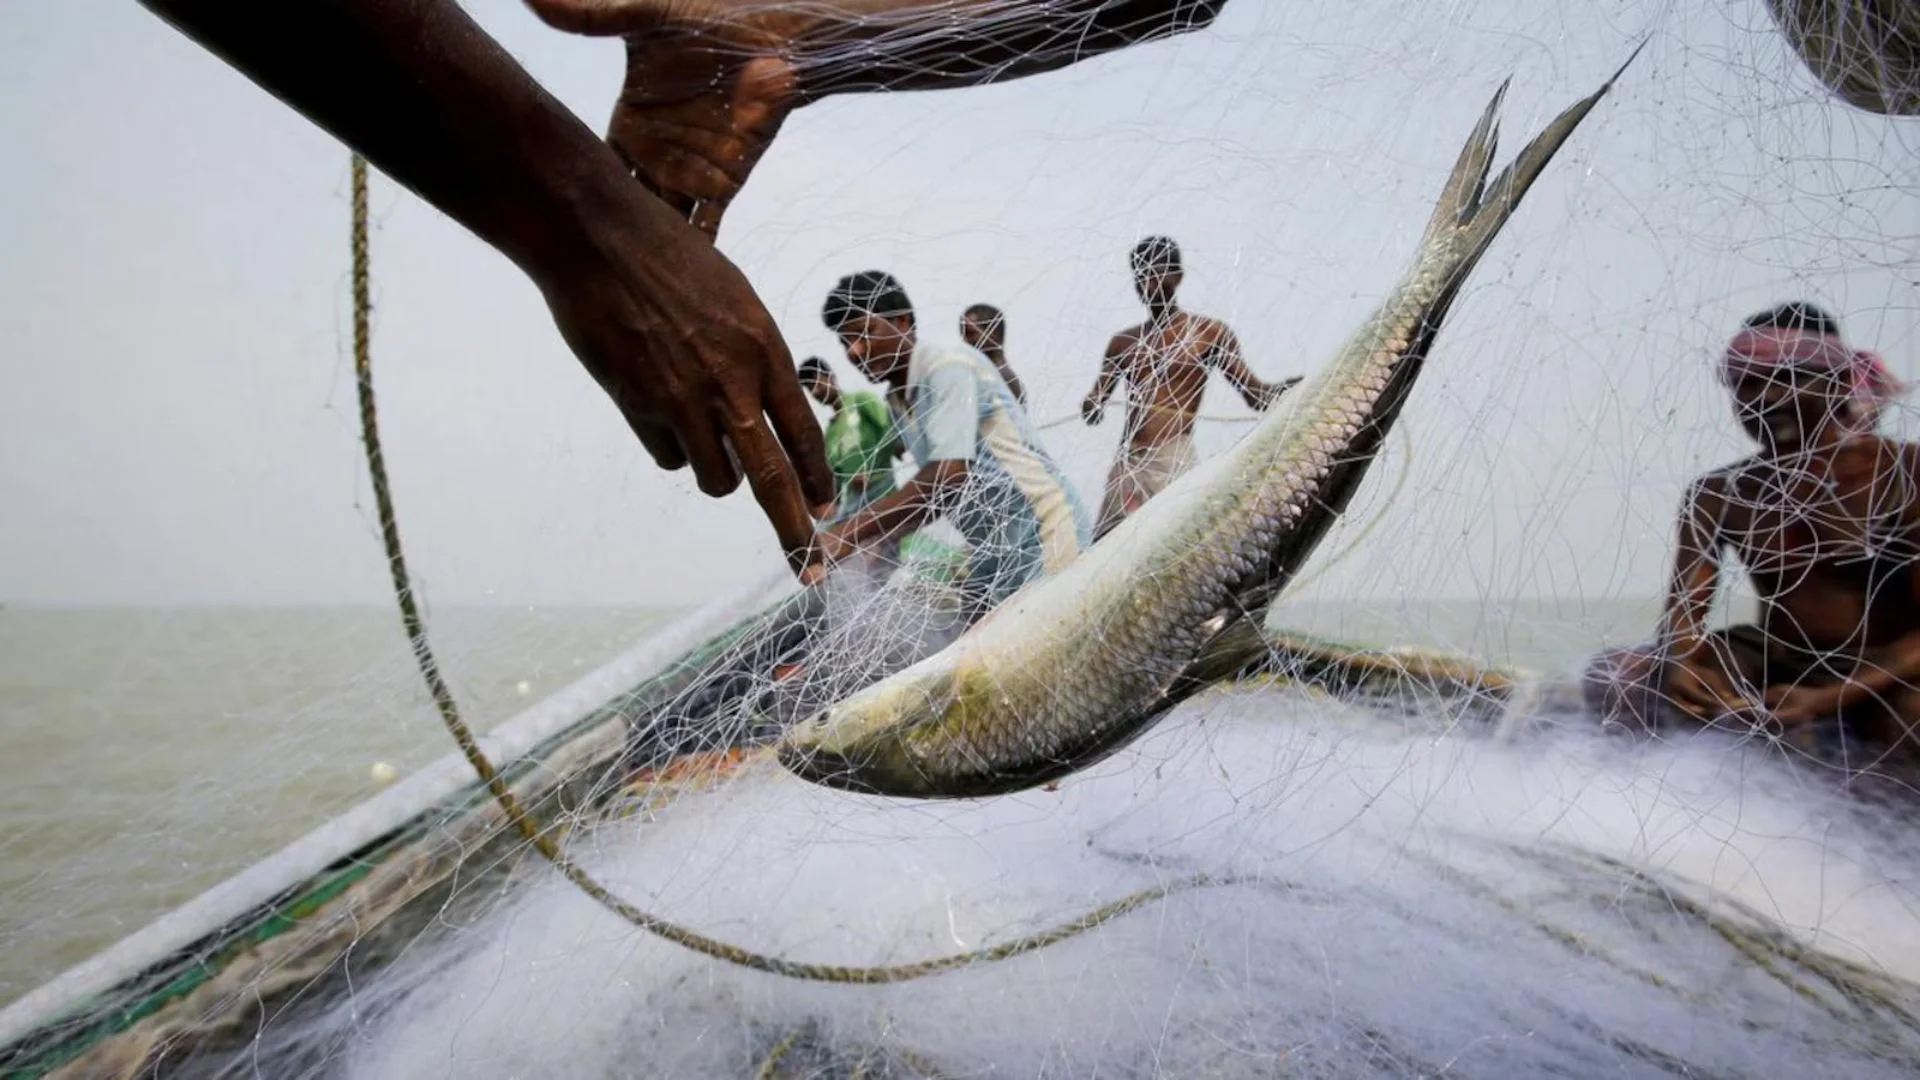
1694	682
939	44
666	325
1013	381
710	82
918	501
1225	357
1105	383
1890	670
947	412
854	46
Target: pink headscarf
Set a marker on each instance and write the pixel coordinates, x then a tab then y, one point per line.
1760	350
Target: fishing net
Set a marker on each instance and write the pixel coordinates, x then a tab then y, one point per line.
1398	847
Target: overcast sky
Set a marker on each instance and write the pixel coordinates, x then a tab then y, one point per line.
176	400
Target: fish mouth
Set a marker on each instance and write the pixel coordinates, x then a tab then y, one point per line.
827	768
885	767
887	770
879	765
884	771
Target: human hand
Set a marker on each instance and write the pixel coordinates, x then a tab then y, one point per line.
698	110
834	547
1795	706
708	86
1701	691
676	337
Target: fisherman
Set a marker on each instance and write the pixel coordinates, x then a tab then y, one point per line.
667	326
863	443
980	463
862	439
984	327
1826	519
1164	362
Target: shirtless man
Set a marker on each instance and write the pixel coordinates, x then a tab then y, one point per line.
1826	518
1164	361
984	327
666	325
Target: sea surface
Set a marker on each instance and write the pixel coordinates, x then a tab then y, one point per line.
145	755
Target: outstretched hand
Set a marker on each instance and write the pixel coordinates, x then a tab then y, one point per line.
675	335
1799	704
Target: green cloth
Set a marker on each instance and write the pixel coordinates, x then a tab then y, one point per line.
861	441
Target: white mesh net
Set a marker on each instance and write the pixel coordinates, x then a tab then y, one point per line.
1419	862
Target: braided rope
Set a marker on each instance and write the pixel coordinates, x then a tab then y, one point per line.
517	815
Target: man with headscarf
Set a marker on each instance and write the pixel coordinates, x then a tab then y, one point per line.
1826	520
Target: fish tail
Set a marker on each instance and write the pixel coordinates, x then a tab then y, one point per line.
1471	210
1461	197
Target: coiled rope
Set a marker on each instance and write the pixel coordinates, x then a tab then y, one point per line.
517	815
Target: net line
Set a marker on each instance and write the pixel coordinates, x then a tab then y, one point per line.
1397	576
542	840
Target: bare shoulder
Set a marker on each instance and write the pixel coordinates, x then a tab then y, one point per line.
1896	469
1711	493
1126	341
1214	330
1904	452
1728	497
1216	340
1893	460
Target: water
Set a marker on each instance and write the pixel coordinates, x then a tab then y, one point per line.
146	755
149	754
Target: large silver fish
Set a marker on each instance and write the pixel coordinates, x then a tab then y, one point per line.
1077	665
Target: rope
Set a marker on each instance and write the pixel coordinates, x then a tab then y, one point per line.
509	805
769	1069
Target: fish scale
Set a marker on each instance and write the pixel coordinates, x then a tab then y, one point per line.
1075	666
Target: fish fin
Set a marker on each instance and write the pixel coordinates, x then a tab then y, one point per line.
1491	205
1237	647
1462	193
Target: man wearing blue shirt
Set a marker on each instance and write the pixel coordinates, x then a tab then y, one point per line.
980	461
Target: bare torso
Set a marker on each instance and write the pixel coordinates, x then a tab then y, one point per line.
1165	367
1833	550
